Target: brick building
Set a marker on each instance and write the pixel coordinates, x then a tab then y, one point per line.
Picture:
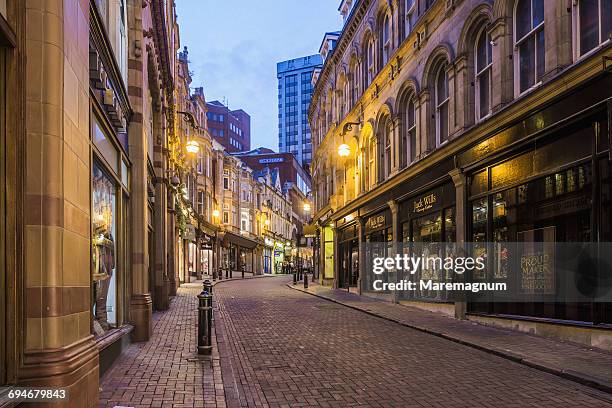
231	128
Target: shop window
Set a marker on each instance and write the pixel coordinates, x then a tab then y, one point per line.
483	63
553	208
529	43
593	22
441	100
104	220
105	146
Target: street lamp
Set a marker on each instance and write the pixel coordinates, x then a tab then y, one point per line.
307	207
192	147
215	213
344	150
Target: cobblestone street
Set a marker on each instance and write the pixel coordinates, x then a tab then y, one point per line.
166	371
278	347
290	349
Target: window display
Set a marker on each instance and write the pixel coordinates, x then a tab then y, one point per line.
104	220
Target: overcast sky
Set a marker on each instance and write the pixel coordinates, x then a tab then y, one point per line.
234	46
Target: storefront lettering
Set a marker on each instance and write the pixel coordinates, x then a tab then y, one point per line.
537	273
425	203
376	221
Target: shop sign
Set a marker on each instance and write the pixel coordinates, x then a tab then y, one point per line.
190	233
376	221
272	160
425	203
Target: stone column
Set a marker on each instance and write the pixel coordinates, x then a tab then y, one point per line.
425	128
162	283
462	87
54	343
171	245
395	228
140	301
502	71
557	37
362	251
459	179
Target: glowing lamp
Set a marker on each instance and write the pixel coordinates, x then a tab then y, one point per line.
306	207
344	150
192	147
215	213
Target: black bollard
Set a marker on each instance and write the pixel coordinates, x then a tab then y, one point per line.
204	323
208	287
294	278
305	281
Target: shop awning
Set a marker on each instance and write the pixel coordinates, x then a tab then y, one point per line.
231	238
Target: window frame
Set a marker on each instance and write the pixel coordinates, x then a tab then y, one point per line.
532	33
576	39
386	35
410	130
440	104
478	75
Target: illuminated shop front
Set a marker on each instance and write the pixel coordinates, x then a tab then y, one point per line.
268	251
428	222
109	230
555	191
348	256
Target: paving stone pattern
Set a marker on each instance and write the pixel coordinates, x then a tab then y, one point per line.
284	348
166	371
586	365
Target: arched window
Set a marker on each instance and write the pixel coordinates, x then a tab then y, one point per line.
407	146
386	40
441	101
387	136
370	66
593	22
371	163
482	63
529	42
411	129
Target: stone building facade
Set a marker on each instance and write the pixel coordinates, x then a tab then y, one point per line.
493	108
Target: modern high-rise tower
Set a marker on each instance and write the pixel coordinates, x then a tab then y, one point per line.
294	93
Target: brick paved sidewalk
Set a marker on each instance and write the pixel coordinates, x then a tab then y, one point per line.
166	371
588	366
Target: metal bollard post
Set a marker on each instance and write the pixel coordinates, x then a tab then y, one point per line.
305	281
204	323
294	278
208	287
